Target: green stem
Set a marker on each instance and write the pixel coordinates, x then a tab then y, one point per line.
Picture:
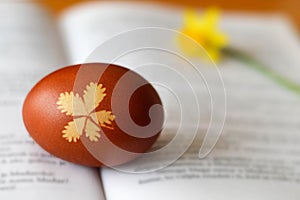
251	62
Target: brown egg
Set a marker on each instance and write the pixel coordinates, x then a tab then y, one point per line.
94	114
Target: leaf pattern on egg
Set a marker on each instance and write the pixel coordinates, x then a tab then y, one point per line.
86	121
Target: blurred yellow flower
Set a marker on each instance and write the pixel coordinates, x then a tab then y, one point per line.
203	30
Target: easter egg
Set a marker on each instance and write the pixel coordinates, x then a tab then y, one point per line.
94	114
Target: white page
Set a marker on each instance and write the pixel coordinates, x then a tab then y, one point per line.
29	49
257	156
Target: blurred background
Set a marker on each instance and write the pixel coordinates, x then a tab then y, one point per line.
289	7
262	118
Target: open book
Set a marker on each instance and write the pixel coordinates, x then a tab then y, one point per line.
257	156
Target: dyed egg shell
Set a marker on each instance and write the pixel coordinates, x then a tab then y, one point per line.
94	114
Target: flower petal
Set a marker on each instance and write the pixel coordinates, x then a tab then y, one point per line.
93	95
92	131
70	132
105	117
71	104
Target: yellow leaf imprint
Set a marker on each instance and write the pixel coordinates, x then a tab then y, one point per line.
86	119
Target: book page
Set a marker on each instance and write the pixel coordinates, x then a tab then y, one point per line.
30	49
257	156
